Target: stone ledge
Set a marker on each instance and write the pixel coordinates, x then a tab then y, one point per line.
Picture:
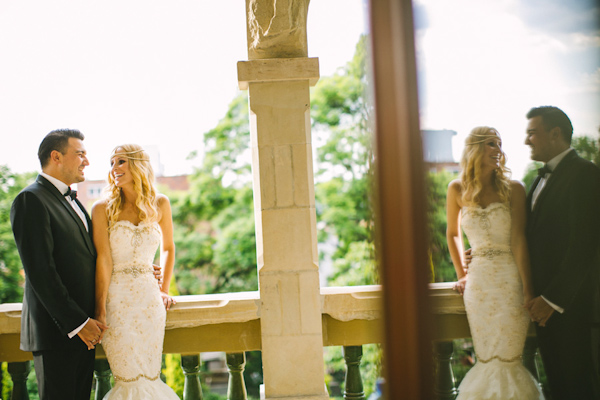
445	300
349	303
278	70
209	309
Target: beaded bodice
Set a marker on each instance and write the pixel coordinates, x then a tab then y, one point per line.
133	247
488	229
136	315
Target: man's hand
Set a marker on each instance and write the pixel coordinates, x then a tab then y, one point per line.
539	310
158	274
92	332
468	258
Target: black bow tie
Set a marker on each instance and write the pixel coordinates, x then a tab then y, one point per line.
71	193
544	170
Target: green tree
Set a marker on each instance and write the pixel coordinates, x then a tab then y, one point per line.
215	220
588	147
437	182
11	277
341	114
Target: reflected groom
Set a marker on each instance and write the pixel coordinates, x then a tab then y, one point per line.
53	235
563	234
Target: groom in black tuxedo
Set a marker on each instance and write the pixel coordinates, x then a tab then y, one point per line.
53	233
563	234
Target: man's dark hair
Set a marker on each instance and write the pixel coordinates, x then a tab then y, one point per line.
56	140
553	117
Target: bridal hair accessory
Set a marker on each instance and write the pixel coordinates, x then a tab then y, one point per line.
492	135
128	155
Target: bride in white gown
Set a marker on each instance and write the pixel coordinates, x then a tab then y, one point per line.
491	210
129	225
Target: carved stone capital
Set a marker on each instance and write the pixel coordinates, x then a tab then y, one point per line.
276	28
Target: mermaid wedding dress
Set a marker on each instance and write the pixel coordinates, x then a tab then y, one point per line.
494	303
135	315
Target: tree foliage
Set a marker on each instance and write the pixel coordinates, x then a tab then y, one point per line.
214	221
341	114
443	269
11	278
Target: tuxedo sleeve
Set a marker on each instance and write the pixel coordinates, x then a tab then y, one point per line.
31	224
581	258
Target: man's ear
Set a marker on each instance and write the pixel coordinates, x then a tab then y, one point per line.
556	133
56	156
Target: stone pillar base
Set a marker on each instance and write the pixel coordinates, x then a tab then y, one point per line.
324	396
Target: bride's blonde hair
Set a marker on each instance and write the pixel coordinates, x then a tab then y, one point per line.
143	184
471	162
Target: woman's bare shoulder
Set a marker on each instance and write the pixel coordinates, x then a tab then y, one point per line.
455	186
517	187
99	206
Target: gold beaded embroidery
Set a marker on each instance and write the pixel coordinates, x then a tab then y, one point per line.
483	214
498	358
137	230
490	253
135	271
118	378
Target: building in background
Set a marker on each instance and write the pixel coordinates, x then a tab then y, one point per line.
437	150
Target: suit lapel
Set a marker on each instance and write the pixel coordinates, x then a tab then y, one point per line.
65	203
556	176
554	179
530	194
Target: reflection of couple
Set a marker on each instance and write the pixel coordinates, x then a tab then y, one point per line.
554	232
93	278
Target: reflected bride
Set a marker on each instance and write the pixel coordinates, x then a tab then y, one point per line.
491	210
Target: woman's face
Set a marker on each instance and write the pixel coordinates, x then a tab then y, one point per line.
492	153
119	170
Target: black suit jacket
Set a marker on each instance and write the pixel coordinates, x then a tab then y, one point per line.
59	259
563	233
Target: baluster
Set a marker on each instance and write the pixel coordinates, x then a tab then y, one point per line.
445	384
192	390
19	371
102	375
354	386
236	387
530	351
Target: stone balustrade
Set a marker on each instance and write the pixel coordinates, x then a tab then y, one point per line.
230	322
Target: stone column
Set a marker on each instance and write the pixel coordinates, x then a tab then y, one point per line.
278	77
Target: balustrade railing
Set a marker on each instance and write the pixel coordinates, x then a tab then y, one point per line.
231	323
224	322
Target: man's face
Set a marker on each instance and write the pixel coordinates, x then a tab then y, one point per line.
73	162
539	140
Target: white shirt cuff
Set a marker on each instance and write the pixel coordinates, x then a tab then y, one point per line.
551	304
76	330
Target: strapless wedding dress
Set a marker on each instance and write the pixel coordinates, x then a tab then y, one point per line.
494	303
135	315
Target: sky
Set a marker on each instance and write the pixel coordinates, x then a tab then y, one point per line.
488	62
150	72
162	73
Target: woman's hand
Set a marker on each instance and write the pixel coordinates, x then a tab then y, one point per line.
460	285
168	301
527	297
101	317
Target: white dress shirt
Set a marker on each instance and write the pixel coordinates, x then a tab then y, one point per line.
63	187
